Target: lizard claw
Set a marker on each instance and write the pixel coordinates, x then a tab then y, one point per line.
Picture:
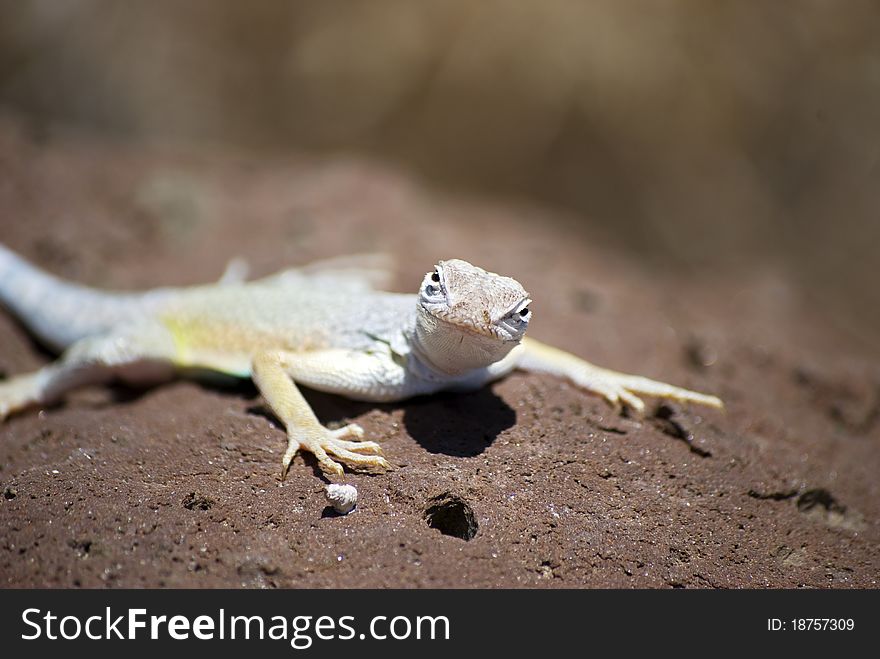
357	455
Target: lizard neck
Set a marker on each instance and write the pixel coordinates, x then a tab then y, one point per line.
421	365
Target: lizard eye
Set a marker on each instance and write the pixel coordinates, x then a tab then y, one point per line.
432	290
520	316
516	321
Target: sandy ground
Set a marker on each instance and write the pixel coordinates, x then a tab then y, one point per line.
179	485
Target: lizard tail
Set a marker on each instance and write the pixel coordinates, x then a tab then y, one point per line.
58	312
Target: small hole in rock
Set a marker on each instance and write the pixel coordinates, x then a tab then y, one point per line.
193	501
451	515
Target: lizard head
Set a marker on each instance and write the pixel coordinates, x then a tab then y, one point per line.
469	318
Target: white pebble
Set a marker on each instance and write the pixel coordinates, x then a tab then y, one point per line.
343	498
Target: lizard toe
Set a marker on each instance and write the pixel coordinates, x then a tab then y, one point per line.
633	402
345	452
327	464
292	448
351	431
364	448
316	448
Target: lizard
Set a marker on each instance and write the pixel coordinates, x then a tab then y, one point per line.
327	326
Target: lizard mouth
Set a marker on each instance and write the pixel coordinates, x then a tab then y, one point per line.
476	330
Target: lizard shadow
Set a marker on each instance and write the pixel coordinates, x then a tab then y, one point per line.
456	424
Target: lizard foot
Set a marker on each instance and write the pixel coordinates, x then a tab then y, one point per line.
617	395
338	443
620	389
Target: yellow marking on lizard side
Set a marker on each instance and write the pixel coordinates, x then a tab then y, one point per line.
228	347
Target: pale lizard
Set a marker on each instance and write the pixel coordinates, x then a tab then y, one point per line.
325	326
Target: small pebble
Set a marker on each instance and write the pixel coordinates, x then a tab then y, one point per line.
343	498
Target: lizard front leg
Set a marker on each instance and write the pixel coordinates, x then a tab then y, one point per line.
617	388
271	372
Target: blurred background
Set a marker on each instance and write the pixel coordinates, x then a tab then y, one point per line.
696	136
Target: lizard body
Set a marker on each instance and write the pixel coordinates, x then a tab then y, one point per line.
326	326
